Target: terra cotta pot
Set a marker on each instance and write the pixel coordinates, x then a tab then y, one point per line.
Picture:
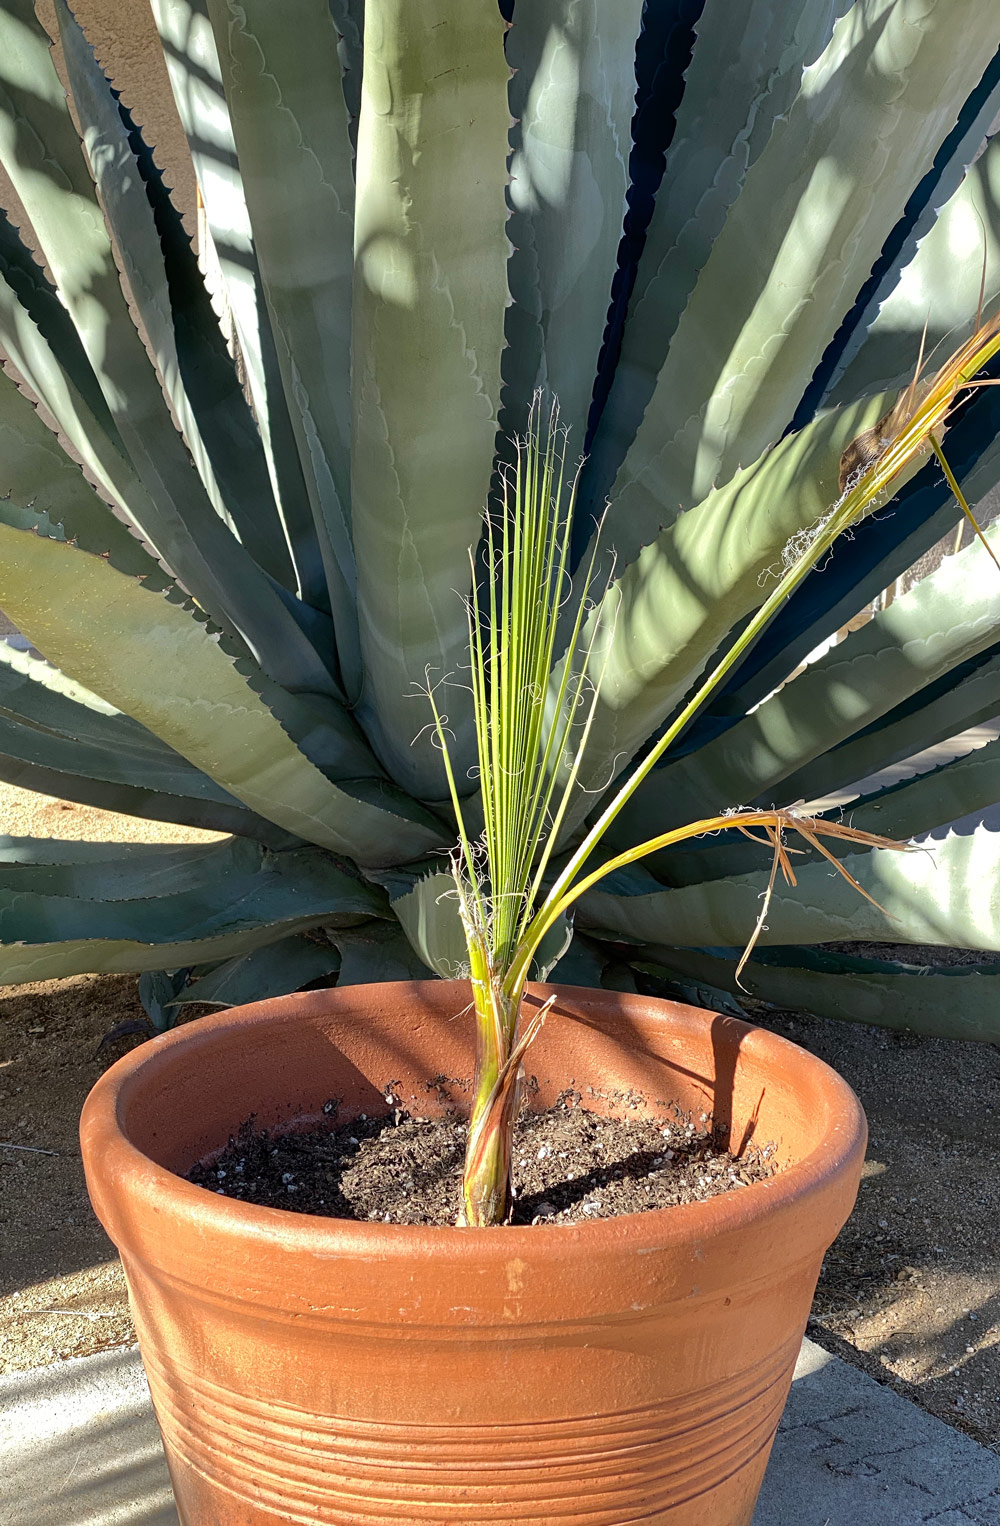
315	1370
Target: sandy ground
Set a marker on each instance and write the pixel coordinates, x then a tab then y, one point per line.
910	1291
61	1287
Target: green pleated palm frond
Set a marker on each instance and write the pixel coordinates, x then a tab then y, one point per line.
237	577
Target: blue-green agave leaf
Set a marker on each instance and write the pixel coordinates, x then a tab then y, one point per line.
377	951
153	659
736	87
956	258
58	738
124	871
954	1002
429	916
274	969
960	788
349	19
942	622
947	892
572	96
37	334
903	809
427	910
35	471
174	308
196	80
963	697
797	244
158	992
43	157
664	616
583	964
176	311
291	131
44	936
858	569
430	260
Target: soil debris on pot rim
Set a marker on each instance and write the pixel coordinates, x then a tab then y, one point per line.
570	1165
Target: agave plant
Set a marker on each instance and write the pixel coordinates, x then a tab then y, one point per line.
240	564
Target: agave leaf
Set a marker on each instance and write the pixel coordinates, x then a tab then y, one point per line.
57	737
663	56
162	271
325	732
933	799
291	130
933	894
43	157
196	80
33	469
940	284
120	871
430	244
553	948
158	992
966	139
33	466
900	810
797	244
964	697
275	969
66	777
857	570
665	615
429	916
958	1002
735	89
693	992
942	622
34	852
571	96
349	19
583	964
153	659
377	951
45	936
37	334
175	310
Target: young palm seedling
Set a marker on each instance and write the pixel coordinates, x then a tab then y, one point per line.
517	883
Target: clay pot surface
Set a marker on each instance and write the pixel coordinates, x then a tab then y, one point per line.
322	1371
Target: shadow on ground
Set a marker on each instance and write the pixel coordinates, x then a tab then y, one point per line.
80	1447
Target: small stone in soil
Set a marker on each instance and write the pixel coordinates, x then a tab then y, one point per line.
570	1165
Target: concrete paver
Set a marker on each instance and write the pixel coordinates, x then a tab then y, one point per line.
851	1452
79	1447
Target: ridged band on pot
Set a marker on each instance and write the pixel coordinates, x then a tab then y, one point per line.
320	1371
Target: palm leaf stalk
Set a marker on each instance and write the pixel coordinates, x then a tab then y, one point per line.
532	730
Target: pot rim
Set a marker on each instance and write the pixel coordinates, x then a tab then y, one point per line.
312	1236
